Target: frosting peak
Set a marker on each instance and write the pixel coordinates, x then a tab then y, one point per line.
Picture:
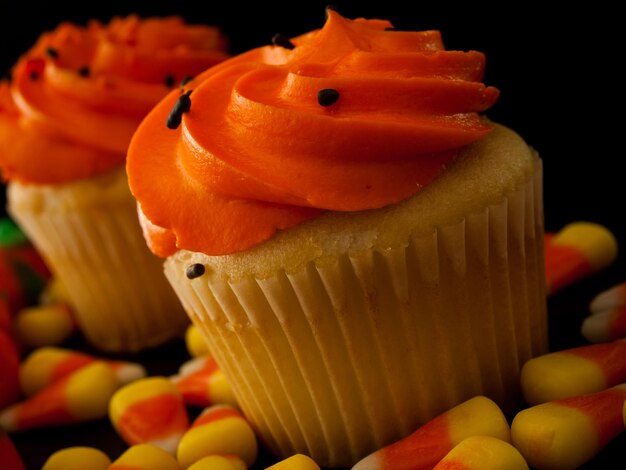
78	94
353	117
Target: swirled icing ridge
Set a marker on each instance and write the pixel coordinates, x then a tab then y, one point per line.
79	94
258	151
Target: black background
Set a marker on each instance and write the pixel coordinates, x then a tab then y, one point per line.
558	70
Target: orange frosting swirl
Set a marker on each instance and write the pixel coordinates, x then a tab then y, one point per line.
79	94
259	151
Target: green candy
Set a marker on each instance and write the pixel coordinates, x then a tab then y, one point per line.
10	234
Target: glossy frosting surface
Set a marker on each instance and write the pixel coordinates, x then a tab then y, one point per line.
260	150
77	96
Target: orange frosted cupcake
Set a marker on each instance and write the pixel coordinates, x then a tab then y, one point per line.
66	119
361	249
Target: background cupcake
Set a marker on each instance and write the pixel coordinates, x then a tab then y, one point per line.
360	248
66	118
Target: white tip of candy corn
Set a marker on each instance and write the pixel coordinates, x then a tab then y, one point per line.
127	372
610	298
605	326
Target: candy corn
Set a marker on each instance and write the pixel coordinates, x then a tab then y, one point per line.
572	372
482	453
47	325
195	342
219	429
221	462
295	462
564	434
605	326
81	396
149	411
202	383
9	457
145	457
44	366
77	458
431	442
9	369
577	251
610	298
607	321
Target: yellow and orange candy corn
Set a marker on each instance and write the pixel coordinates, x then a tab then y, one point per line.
607	321
577	251
195	343
478	416
221	462
77	458
219	429
9	457
46	325
44	366
565	434
145	457
202	383
482	453
295	462
81	396
150	411
572	372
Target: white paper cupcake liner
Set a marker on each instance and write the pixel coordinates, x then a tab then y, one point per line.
88	232
344	356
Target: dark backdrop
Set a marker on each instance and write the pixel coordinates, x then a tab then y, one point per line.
558	72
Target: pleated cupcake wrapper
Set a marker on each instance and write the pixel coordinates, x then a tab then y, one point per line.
345	356
117	289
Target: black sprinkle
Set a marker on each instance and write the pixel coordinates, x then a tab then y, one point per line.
52	53
169	80
34	75
194	270
182	105
282	41
84	71
185	80
327	97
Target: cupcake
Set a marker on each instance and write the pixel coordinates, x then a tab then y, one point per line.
361	249
66	119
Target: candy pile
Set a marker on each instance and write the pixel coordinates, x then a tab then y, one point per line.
576	398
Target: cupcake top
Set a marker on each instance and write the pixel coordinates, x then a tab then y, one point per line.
350	117
78	94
